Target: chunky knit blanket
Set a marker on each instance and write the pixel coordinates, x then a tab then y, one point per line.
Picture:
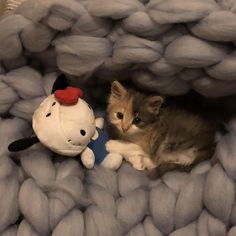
168	46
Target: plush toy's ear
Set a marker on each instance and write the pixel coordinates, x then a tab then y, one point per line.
22	144
99	121
60	83
95	136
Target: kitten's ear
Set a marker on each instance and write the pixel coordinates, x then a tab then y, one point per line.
117	90
154	104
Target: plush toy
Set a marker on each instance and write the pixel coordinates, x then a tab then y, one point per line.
66	124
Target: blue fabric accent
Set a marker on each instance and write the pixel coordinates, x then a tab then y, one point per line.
98	146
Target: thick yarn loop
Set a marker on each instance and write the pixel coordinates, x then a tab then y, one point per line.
166	46
201	53
171	11
80	50
124	35
58	198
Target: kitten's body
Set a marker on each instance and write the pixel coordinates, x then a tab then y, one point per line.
165	138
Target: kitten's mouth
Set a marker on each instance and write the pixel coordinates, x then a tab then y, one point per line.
129	131
125	130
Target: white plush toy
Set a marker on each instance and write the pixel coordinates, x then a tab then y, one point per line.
66	124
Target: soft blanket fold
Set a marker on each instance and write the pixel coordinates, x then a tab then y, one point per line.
170	46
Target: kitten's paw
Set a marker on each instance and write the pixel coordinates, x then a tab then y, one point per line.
186	157
137	162
112	146
148	163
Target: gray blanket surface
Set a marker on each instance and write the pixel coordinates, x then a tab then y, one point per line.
168	46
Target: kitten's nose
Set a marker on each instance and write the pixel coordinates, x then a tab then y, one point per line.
125	128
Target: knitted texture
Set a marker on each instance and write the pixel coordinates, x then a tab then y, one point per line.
168	46
10	6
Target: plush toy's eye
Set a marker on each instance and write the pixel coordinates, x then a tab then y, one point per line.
54	104
83	133
48	114
69	140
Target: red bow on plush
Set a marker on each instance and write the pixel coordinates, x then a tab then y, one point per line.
68	96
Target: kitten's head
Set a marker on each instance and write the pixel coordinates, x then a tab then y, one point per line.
131	111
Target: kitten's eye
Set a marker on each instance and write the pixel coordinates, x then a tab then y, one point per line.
119	115
136	120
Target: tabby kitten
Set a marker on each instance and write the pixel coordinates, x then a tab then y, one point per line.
156	137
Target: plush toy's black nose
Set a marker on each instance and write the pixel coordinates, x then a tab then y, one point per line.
83	133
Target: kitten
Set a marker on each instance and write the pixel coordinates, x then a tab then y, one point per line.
156	137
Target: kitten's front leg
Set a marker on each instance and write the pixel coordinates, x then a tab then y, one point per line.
132	152
124	148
